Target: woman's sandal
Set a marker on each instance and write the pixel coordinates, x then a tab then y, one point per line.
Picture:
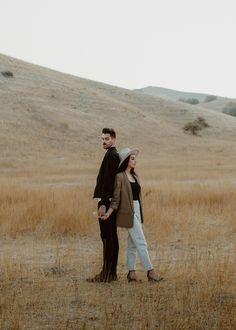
131	276
153	277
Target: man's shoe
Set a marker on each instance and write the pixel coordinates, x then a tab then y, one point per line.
114	277
153	277
96	279
110	278
102	278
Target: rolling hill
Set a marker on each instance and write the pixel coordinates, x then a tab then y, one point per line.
213	102
54	119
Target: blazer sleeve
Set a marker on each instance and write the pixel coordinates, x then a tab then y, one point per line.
116	193
111	162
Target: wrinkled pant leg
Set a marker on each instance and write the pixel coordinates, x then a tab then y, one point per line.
131	253
138	239
115	245
109	238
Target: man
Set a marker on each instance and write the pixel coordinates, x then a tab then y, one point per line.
103	192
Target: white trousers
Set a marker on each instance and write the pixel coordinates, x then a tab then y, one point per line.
137	242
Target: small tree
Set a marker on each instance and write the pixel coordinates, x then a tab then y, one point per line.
230	109
202	122
192	101
7	74
193	127
210	98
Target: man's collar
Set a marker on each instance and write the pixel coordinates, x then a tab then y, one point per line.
113	146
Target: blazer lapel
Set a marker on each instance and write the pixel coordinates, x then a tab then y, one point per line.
128	186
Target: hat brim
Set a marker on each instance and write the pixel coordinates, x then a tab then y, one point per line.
131	152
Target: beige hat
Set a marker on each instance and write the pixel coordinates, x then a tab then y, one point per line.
125	153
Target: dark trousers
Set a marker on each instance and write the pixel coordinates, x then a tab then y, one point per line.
108	231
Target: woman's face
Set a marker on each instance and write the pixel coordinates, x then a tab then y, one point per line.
132	161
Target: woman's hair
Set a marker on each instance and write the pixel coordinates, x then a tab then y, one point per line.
124	165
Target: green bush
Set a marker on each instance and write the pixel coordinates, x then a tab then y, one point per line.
230	109
202	122
193	127
7	74
210	98
192	101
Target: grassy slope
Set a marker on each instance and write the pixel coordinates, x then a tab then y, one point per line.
169	94
48	116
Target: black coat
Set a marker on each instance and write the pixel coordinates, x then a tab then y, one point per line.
106	176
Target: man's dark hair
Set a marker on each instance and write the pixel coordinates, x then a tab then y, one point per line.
109	131
124	165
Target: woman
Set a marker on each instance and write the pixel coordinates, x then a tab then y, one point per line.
127	202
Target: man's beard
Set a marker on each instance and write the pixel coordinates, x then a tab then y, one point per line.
105	146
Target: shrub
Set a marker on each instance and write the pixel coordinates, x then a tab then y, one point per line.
192	101
210	98
192	128
196	125
202	122
230	109
7	74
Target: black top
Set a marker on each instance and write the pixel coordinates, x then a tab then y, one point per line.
135	189
106	176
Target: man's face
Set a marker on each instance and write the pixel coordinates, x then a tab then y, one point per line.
107	141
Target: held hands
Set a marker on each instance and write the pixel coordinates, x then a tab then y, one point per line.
101	211
103	215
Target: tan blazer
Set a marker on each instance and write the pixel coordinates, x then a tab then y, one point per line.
122	201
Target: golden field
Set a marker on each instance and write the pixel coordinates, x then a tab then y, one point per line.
50	244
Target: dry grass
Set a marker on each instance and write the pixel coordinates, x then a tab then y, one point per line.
190	208
50	244
45	211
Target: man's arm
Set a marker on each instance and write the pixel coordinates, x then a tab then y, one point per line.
111	163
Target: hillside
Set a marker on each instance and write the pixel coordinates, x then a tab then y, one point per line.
214	102
50	240
53	119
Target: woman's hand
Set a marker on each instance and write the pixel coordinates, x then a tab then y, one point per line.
107	214
101	211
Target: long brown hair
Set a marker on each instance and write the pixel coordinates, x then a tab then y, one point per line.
124	166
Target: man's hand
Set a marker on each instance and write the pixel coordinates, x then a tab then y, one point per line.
101	211
105	216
